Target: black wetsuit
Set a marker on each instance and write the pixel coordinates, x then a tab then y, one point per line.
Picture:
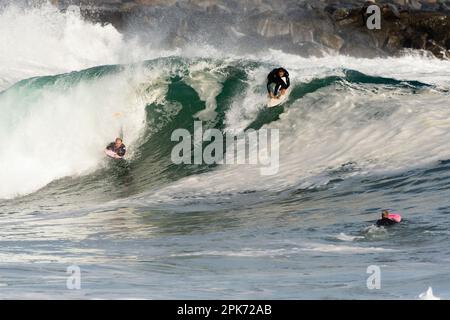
273	77
385	222
119	151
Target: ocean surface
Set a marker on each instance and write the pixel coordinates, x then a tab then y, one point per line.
355	136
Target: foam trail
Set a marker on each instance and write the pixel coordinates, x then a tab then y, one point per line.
252	252
344	237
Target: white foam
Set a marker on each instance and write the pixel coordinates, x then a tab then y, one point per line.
428	295
42	40
257	253
344	237
331	248
384	131
206	79
246	108
62	131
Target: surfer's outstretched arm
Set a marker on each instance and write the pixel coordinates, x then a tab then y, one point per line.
288	82
277	89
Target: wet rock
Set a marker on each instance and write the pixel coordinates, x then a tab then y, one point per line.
301	26
418	41
341	14
391	12
362	45
332	41
437	49
272	27
394	42
415	5
301	32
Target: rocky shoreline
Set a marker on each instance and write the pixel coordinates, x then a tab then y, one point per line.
305	27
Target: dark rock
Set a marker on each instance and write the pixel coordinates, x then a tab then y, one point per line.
394	42
332	41
341	14
391	12
361	45
415	4
418	41
301	32
437	49
447	44
297	26
272	27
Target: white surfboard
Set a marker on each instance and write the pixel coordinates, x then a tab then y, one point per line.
273	102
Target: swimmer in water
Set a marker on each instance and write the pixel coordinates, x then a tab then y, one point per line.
385	220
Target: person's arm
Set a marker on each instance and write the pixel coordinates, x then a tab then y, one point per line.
288	82
277	88
121	152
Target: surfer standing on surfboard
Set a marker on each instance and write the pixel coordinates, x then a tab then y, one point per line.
117	147
277	82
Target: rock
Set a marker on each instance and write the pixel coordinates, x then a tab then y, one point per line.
332	41
271	25
341	14
152	2
390	12
415	4
437	26
447	44
401	2
419	41
300	32
350	21
432	5
298	26
437	49
394	42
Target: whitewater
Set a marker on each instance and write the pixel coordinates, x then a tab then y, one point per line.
356	136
